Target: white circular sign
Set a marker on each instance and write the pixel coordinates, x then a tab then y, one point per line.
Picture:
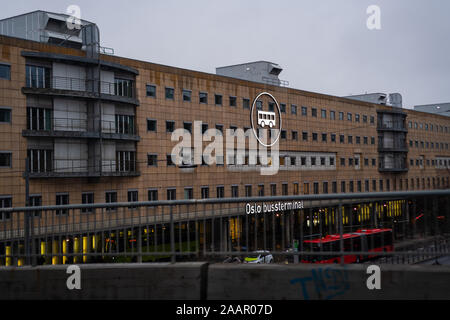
263	123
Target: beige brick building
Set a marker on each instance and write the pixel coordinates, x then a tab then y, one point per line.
99	131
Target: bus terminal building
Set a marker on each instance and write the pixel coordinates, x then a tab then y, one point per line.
86	127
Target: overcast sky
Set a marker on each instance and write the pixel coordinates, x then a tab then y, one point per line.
323	46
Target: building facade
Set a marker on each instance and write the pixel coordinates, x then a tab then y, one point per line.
99	130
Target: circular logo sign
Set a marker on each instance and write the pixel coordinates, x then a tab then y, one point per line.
265	119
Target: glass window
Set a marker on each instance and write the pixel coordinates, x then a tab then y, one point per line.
332	115
170	126
152	160
324	113
218	99
62	199
5	159
5	72
188	193
314	112
304	111
151	90
169	93
283	107
235	191
205	192
293	109
203	97
233	102
171	194
151	125
5	115
187	95
152	195
246	103
5	202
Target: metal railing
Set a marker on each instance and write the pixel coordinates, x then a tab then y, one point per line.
231	229
82	85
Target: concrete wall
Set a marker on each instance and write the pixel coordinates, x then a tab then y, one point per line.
225	281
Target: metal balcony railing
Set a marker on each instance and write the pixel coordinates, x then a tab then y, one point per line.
83	85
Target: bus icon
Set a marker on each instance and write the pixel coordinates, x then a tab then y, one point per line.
266	118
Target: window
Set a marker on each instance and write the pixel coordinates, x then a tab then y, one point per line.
271	106
248	191
122	87
334	187
366	140
188	193
374	162
126	161
203	97
152	195
62	199
171	194
233	102
343	162
314	136
36	201
374	185
246	103
5	202
273	189
259	105
343	186
284	189
170	126
324	137
333	137
316	188
87	198
304	111
40	119
322	161
150	90
296	188
356	117
151	125
169	93
219	127
133	196
364	119
152	160
261	190
372	119
283	107
283	134
302	161
350	139
314	112
5	72
293	109
218	99
187	95
124	124
372	140
331	161
5	159
306	188
351	186
305	136
341	116
323	113
332	115
37	77
294	135
325	187
359	186
40	160
204	127
205	192
341	138
169	161
220	191
358	140
366	162
5	115
313	161
234	191
187	126
349	116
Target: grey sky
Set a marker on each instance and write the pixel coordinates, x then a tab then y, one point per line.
323	46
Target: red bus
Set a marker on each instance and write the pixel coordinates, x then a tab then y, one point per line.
363	240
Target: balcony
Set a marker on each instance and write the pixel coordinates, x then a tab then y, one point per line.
81	168
394	164
80	128
392	126
393	147
120	91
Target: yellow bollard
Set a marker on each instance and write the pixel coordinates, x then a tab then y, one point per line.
21	261
76	249
85	248
55	251
8	260
65	245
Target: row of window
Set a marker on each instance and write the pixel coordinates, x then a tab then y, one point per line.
428	145
367	185
428	127
186	96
